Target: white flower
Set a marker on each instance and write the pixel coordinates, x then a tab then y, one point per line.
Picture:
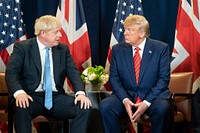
104	78
92	76
95	75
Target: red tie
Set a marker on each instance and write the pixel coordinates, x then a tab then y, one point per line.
137	61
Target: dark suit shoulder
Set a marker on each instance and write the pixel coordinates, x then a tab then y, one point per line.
121	45
61	47
26	44
156	43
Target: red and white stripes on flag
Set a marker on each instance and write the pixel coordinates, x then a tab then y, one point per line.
186	53
74	32
6	52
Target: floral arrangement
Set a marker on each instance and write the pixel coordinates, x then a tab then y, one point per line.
94	75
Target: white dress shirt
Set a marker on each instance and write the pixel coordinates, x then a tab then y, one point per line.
42	51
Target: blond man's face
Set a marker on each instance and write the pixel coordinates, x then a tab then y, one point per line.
52	37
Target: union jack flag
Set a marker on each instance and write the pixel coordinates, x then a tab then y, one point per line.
12	29
186	53
74	32
124	9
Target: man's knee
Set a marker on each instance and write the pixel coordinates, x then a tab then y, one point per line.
104	106
163	110
21	111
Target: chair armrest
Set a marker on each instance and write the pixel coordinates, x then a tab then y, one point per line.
4	94
180	97
189	95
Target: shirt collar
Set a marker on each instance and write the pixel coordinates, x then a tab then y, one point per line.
40	45
141	45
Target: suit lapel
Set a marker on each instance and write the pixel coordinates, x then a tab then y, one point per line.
128	54
148	50
34	50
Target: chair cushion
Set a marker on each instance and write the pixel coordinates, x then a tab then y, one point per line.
40	118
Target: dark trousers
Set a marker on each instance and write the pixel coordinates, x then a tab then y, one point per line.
112	109
63	108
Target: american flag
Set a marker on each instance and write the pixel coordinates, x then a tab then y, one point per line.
186	53
124	9
74	32
12	29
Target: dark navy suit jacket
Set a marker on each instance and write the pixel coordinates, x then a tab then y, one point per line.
154	72
24	68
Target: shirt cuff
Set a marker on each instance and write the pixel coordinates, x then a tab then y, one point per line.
79	92
124	100
18	92
148	103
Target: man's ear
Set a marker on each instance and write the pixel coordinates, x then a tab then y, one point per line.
42	33
142	34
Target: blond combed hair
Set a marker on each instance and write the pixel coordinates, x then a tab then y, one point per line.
139	20
46	23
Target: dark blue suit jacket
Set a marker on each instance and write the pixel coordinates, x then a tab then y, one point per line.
24	68
154	72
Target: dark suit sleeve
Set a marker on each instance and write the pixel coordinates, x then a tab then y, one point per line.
72	73
160	88
13	69
115	81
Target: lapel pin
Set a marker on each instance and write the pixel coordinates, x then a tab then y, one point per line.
150	51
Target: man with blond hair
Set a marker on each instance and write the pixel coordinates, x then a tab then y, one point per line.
35	76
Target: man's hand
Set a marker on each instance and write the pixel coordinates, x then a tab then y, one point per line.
140	109
128	105
85	101
22	100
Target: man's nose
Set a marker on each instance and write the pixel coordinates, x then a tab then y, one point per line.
59	34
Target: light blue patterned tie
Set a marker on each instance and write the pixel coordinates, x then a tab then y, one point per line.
47	82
